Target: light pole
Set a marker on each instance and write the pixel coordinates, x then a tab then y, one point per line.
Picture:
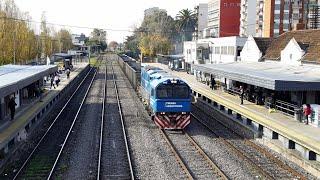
14	44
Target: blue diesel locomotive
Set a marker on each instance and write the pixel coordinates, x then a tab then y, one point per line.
167	97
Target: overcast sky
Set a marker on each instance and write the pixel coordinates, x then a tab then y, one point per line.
115	14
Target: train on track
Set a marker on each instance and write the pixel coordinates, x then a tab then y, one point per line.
167	97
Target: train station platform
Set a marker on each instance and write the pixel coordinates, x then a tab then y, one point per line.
12	132
275	125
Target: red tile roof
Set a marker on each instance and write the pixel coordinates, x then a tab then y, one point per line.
311	38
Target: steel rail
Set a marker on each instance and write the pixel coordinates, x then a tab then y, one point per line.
122	122
243	156
45	134
176	155
270	156
276	160
249	143
102	124
70	130
213	166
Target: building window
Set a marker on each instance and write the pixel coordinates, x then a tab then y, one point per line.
217	50
230	50
290	56
224	50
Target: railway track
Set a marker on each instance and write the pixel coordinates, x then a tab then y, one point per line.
114	161
192	159
261	160
42	160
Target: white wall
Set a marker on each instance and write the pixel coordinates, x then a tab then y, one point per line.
189	51
231	43
292	53
250	51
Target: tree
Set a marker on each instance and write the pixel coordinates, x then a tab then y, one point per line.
46	39
113	45
155	35
20	44
151	45
18	41
98	38
186	21
65	40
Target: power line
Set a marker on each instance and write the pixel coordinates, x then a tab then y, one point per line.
145	30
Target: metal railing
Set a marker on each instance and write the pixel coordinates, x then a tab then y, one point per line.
286	107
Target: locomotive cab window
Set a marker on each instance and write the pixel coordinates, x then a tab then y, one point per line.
173	91
181	91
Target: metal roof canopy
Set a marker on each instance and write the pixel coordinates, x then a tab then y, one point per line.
176	56
63	55
15	77
271	75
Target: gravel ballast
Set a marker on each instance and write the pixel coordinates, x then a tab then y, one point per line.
79	158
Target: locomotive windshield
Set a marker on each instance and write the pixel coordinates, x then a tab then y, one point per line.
173	92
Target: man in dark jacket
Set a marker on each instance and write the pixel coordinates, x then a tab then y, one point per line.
241	94
12	106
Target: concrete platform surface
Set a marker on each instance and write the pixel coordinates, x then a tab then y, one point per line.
10	129
286	126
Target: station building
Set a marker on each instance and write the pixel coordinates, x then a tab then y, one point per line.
20	82
281	73
213	51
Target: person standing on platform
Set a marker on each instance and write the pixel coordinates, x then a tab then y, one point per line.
56	79
52	82
213	83
307	112
12	106
68	73
241	94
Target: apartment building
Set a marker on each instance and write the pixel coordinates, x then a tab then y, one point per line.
224	17
248	17
202	13
280	16
314	14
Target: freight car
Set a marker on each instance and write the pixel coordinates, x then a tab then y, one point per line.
131	68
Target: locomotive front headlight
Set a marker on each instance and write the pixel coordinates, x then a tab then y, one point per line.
183	113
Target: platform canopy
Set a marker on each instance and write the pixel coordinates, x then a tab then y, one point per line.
175	56
270	75
15	77
63	55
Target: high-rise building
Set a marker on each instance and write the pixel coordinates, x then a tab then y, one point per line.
280	16
248	17
259	18
202	14
314	14
224	17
